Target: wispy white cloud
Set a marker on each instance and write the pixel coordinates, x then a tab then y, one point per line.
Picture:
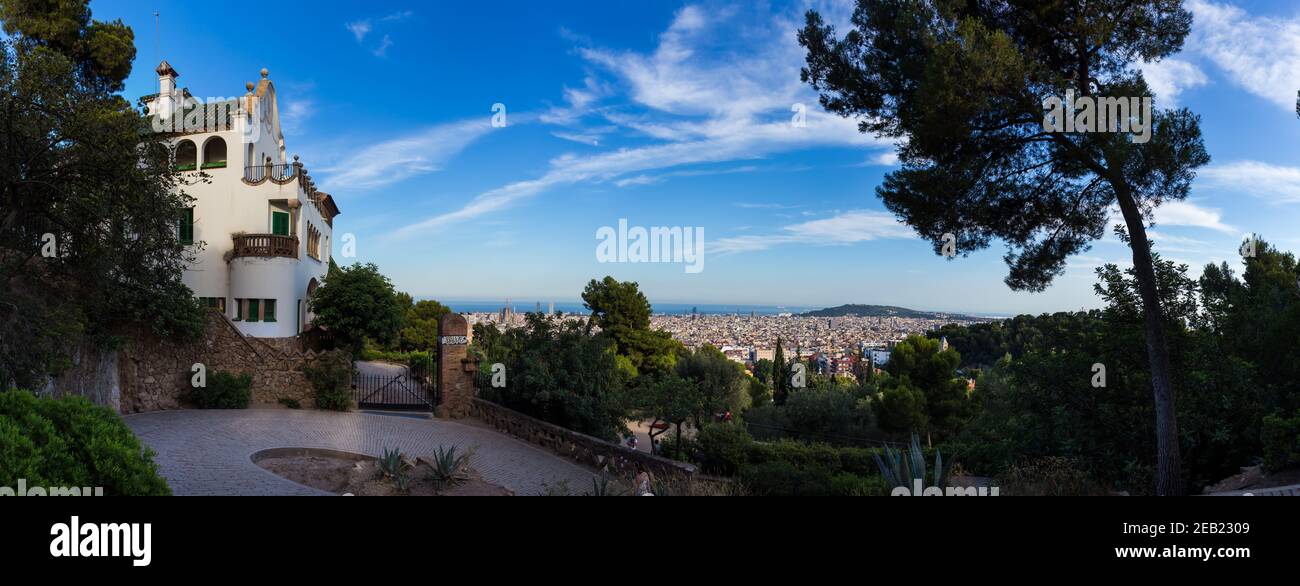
1170	77
587	138
295	115
360	29
699	106
1273	183
382	49
1261	54
1186	213
395	160
660	178
850	227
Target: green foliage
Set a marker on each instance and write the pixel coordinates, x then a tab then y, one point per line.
905	469
780	375
70	442
722	448
962	86
790	468
420	324
225	390
420	363
901	407
557	372
1038	401
356	303
118	260
720	382
622	313
449	467
782	468
331	378
831	410
393	464
759	393
1281	438
923	391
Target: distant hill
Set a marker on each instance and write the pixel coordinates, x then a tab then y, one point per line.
883	311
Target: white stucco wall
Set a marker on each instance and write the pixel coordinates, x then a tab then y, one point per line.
224	205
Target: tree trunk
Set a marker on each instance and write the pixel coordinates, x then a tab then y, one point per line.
1168	464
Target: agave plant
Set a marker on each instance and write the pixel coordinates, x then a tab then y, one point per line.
906	470
603	486
448	467
393	464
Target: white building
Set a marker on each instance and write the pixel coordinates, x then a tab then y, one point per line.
260	228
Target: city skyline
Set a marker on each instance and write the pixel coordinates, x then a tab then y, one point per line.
622	113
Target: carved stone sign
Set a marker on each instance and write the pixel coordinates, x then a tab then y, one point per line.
453	340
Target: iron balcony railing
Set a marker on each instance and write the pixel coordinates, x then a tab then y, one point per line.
257	173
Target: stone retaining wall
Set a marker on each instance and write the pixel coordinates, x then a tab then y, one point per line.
581	448
154	374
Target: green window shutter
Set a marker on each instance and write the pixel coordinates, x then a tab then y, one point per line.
270	310
280	223
253	309
187	226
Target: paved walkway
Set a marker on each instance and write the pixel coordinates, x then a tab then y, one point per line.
208	452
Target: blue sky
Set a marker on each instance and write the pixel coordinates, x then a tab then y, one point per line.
674	114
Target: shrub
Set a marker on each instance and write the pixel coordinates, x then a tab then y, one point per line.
1051	476
782	478
846	484
420	363
722	448
71	442
1281	437
331	378
224	390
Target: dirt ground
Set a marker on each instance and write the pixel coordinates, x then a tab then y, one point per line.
362	478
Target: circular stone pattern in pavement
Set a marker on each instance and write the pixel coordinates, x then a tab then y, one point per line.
210	452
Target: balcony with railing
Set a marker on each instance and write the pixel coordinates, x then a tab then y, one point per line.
281	174
265	246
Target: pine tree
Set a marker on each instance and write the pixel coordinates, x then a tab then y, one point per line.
962	87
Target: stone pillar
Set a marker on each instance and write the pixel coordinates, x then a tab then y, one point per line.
455	368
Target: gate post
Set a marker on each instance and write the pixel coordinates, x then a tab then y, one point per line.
456	369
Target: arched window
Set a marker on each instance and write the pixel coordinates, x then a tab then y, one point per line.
214	153
187	156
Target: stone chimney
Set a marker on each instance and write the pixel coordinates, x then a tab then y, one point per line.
167	103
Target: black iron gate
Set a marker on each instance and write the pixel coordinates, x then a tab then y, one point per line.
400	391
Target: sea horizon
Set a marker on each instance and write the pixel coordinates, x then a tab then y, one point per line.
568	307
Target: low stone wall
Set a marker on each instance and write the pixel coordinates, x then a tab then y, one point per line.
581	448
